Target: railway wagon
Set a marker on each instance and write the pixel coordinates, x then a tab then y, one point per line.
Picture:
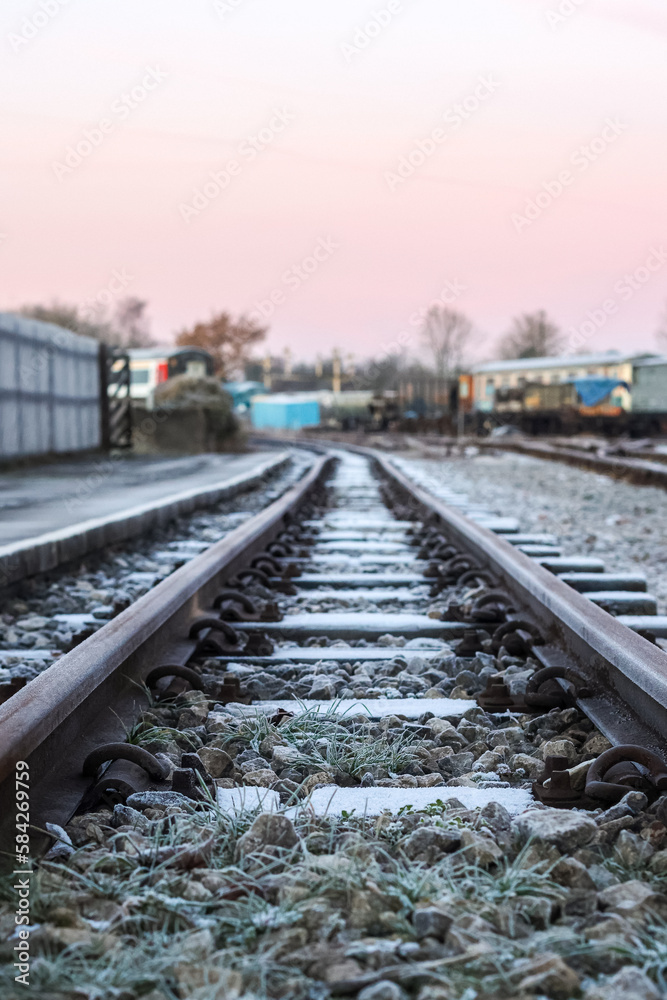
151	366
649	391
591	404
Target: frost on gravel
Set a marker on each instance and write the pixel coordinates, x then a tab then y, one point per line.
623	524
331	853
165	898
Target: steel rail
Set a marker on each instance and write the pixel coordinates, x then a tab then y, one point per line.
639	471
95	692
626	674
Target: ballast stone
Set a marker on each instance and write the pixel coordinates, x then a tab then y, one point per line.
429	921
566	830
324	688
633	899
548	973
270	830
217	762
628	984
430	843
284	756
263	777
632	851
480	850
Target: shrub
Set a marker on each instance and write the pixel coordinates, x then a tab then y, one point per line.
184	392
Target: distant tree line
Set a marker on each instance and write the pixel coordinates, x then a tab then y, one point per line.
230	340
446	336
127	325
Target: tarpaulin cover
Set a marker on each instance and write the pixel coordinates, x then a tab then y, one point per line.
592	390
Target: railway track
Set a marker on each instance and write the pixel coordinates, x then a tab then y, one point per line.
46	614
360	649
648	470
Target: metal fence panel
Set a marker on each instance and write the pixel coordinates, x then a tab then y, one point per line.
50	394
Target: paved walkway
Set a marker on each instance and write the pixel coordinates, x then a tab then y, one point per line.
50	498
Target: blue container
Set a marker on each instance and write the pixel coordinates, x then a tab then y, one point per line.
284	412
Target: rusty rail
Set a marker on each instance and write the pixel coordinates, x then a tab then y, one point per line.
624	672
95	693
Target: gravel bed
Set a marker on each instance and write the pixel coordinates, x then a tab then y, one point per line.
403	676
50	613
166	896
594	515
471	748
172	896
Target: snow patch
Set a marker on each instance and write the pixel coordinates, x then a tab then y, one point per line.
375	708
247	798
333	800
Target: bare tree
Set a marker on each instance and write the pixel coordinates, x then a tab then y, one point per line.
132	324
661	332
446	333
127	327
532	335
71	317
381	374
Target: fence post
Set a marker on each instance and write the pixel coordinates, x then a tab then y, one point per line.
115	410
105	427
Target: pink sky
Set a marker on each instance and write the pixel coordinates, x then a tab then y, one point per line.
348	113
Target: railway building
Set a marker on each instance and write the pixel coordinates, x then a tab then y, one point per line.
493	376
611	393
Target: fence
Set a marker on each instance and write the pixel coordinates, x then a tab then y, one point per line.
50	394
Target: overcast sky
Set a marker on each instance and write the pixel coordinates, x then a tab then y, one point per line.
371	158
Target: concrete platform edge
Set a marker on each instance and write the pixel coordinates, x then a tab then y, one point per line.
46	552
